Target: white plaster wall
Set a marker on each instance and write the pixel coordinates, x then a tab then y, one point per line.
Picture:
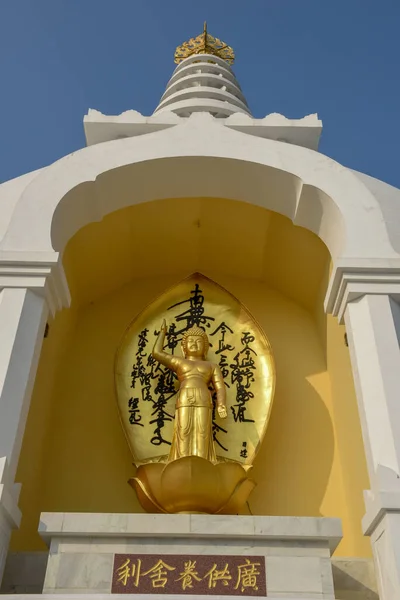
10	192
388	198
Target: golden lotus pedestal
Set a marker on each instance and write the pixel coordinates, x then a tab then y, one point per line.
192	485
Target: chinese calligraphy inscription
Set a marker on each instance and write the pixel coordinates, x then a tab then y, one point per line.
147	390
180	574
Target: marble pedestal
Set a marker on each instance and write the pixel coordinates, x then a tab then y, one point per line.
297	550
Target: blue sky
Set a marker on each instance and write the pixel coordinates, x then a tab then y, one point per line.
339	58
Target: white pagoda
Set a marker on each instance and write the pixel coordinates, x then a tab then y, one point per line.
311	248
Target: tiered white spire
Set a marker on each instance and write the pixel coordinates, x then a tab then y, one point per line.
203	81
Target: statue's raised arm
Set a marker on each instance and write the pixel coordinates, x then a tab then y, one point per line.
168	360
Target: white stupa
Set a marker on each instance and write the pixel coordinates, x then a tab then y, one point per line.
311	247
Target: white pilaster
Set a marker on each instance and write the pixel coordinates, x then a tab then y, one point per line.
372	331
23	316
31	285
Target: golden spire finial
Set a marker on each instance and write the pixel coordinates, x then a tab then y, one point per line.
205	44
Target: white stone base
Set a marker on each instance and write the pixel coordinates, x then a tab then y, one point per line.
353	578
24	573
10	515
5	534
73	596
297	550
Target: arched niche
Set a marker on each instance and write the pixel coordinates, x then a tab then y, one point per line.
224	172
192	160
118	265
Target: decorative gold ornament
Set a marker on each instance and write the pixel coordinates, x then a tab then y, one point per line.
187	458
205	44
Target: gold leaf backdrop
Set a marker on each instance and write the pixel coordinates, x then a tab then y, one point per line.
146	391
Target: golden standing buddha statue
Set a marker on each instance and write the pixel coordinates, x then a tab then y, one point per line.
193	434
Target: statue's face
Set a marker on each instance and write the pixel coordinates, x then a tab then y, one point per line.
195	346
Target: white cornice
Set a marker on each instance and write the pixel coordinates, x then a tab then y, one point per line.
352	279
41	272
101	128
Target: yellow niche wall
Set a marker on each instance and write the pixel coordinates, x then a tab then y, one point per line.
75	457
